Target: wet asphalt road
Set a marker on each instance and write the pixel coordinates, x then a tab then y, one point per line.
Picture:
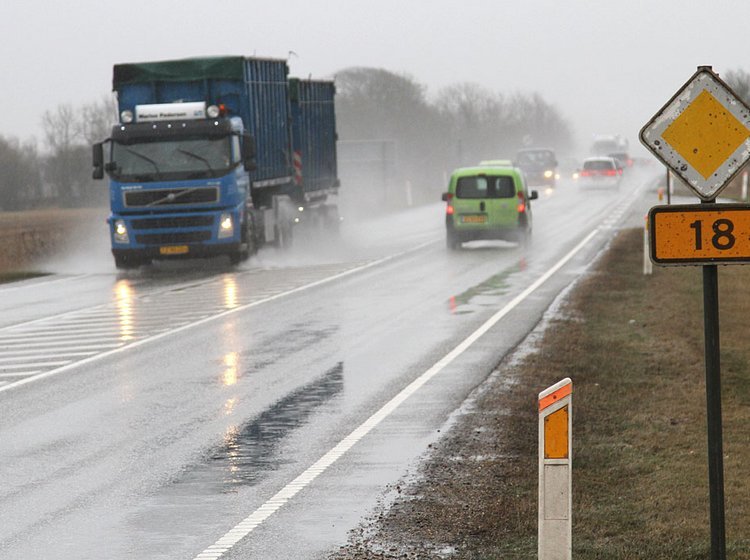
146	414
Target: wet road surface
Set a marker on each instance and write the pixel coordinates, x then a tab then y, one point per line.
149	414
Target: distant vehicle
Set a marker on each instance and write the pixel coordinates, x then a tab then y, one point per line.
612	145
497	162
487	202
600	171
623	158
539	165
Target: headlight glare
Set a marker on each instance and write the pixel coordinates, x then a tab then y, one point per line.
226	226
121	232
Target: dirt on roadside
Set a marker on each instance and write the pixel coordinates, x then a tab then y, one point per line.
633	345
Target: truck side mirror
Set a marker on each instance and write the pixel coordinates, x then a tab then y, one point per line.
248	152
97	154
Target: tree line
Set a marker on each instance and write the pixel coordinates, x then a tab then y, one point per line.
59	175
461	125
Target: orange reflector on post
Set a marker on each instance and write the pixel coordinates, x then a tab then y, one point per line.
556	434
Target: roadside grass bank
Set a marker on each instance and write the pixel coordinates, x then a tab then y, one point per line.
33	235
633	346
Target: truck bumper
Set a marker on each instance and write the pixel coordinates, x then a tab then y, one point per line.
177	252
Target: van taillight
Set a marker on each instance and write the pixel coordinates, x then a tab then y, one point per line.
521	203
449	210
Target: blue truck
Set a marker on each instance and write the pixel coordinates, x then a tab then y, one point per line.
216	156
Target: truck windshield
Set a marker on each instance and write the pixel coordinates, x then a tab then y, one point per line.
172	159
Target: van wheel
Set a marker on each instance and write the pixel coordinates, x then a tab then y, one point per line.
451	242
524	236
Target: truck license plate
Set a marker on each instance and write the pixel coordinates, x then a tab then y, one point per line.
173	250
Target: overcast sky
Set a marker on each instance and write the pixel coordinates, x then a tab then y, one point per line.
608	66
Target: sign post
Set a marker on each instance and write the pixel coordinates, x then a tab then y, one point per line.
555	472
703	135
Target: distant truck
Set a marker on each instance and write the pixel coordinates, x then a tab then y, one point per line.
612	145
216	156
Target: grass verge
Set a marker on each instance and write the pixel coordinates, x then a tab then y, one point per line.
633	345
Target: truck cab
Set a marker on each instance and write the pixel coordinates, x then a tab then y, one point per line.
178	183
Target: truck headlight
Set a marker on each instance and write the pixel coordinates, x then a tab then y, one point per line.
226	226
548	174
121	232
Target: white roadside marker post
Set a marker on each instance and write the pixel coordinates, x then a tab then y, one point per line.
555	472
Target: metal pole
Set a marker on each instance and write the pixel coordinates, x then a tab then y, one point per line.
669	187
713	411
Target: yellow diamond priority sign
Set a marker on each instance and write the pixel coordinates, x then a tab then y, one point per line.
702	134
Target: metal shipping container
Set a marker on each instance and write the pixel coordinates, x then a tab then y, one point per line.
254	89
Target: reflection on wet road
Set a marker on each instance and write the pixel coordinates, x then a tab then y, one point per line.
249	451
42	347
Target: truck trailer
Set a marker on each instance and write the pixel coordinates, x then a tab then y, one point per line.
216	156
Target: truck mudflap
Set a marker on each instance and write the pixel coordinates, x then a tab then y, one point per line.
277	222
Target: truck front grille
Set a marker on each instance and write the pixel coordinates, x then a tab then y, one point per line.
171	197
173	222
177	238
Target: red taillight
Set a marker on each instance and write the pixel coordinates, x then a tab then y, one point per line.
585	173
449	210
610	172
521	203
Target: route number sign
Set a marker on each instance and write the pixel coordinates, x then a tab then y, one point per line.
700	234
702	134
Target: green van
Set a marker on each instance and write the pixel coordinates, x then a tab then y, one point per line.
487	202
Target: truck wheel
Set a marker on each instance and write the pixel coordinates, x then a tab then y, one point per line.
123	262
283	237
331	219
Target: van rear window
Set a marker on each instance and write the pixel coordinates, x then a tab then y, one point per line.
485	186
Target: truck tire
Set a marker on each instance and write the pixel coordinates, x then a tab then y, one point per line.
123	262
283	237
332	219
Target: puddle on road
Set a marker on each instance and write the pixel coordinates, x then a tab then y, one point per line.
250	451
488	293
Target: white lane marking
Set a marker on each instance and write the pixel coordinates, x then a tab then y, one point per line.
34	285
255	519
55	353
7	344
6	367
68	365
18	374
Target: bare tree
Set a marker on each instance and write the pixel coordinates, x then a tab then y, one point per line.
95	119
20	181
67	166
739	81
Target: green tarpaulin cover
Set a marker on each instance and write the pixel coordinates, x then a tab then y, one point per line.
185	70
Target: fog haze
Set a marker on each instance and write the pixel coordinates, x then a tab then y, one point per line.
607	66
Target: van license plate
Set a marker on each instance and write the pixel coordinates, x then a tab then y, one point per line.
474	219
173	250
